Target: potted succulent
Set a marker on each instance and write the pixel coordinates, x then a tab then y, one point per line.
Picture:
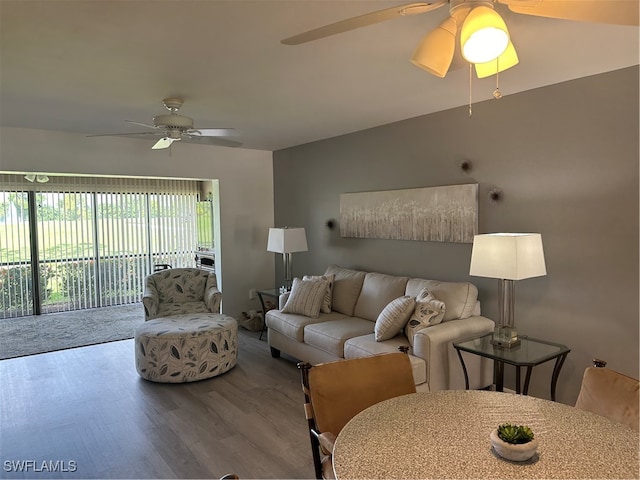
514	442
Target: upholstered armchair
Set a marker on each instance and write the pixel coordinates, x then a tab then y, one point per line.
180	290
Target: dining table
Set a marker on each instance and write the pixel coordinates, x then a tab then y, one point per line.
445	434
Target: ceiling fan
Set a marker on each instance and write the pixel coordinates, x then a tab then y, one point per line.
481	32
173	127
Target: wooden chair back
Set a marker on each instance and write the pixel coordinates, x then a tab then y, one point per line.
336	391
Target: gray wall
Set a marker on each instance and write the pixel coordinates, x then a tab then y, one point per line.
566	160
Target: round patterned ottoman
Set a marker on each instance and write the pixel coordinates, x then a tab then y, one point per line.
186	347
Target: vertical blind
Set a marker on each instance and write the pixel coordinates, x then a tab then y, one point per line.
97	238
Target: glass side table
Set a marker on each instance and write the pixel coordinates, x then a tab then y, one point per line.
270	293
529	353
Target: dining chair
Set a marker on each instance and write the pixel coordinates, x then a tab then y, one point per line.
334	392
610	394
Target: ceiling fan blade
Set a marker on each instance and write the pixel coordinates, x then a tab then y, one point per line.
363	21
211	132
124	134
224	142
618	12
164	142
142	124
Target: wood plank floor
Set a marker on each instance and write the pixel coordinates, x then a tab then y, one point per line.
87	409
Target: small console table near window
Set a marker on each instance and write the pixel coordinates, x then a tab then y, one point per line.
529	353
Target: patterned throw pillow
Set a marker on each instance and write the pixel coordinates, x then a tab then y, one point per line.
326	302
306	297
429	311
393	317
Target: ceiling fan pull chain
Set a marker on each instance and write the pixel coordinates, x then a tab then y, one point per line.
497	94
470	84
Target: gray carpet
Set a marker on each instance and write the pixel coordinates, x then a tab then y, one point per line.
58	331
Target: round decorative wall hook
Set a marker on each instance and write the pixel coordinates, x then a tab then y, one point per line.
495	195
466	166
331	224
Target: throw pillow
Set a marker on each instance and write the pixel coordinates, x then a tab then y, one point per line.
326	302
393	317
428	311
306	297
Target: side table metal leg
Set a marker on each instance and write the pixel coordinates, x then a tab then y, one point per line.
556	374
264	317
464	369
527	379
518	379
498	375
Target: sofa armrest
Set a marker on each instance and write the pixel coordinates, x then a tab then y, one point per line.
213	299
282	299
444	371
150	301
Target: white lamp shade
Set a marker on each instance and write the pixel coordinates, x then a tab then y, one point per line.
505	61
435	52
287	240
484	35
509	256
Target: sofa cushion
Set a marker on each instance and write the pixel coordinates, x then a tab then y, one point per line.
459	297
366	345
429	311
306	297
331	335
292	325
377	291
326	302
393	318
346	288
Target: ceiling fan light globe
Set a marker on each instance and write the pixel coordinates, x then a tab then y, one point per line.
484	35
435	52
505	61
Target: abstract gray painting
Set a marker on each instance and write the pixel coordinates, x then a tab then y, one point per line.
432	214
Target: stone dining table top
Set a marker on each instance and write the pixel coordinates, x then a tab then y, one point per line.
446	435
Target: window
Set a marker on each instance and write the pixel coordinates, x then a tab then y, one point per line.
90	242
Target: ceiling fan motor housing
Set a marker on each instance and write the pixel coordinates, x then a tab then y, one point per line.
173	120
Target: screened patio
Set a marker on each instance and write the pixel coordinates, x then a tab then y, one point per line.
85	242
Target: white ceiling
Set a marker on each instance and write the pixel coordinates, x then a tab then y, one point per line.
86	66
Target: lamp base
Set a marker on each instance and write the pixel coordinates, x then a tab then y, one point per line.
505	337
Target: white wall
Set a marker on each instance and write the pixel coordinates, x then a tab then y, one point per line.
245	182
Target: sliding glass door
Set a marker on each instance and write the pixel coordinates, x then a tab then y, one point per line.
91	248
65	250
16	284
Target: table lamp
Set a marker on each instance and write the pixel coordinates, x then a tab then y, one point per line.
508	257
286	241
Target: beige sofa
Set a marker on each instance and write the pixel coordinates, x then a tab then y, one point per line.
347	331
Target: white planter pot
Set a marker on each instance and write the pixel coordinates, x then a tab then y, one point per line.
515	452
